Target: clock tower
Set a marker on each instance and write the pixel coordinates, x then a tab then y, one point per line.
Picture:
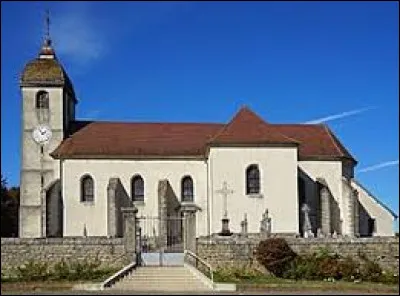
48	108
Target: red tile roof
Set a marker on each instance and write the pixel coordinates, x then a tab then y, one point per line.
119	140
247	128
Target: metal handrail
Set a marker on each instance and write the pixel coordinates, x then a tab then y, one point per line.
193	255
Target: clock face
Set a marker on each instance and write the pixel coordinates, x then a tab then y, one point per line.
42	134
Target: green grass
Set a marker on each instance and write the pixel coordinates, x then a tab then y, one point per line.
271	283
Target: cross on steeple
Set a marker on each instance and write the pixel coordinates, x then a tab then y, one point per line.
47	39
225	191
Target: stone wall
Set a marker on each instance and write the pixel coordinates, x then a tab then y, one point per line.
239	251
17	251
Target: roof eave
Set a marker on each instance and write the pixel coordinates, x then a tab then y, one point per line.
132	156
325	157
251	144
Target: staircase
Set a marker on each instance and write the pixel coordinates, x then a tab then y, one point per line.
157	278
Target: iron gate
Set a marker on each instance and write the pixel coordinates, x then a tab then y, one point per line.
160	241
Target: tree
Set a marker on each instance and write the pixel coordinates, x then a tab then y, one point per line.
9	209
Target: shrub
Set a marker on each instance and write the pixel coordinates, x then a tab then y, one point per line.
236	274
61	270
302	267
32	271
349	269
371	271
275	255
76	270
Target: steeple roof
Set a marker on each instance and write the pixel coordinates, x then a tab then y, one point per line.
45	70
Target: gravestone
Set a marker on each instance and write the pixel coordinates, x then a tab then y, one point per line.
307	229
265	224
243	225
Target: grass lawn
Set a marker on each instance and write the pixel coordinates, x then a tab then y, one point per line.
37	286
276	284
269	284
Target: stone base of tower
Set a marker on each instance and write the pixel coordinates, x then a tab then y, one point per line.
30	221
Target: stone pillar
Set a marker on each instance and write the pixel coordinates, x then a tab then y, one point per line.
162	212
325	199
189	231
111	208
356	214
129	217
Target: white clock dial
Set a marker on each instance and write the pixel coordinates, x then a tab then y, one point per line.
42	134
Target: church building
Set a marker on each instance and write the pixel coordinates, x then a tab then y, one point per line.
77	175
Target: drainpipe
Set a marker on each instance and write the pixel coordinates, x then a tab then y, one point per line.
209	193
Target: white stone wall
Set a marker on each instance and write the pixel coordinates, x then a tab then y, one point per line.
95	215
384	220
278	178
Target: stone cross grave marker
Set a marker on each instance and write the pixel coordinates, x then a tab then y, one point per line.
307	223
225	192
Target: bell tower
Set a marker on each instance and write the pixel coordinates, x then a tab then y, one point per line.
48	108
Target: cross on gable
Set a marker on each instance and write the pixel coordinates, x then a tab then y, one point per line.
225	192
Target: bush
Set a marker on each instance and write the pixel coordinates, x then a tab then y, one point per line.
61	270
349	269
322	266
236	274
371	271
33	271
302	267
275	255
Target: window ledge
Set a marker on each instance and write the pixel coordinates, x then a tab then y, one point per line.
138	203
255	195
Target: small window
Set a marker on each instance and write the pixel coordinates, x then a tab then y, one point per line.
42	100
87	189
137	188
252	180
187	189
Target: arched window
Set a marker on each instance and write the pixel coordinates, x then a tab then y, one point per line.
187	189
87	189
252	179
42	100
137	188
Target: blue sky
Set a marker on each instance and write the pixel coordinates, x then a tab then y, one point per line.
291	62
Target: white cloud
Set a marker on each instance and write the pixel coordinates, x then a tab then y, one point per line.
379	166
338	115
77	36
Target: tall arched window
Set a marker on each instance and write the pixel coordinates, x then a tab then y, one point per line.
187	189
252	179
137	188
87	189
42	100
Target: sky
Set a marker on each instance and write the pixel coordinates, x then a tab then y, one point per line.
291	62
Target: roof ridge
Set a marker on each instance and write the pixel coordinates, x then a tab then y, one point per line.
244	107
147	122
333	140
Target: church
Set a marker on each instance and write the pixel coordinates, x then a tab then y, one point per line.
76	176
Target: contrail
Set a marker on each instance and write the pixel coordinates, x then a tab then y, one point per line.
339	115
379	166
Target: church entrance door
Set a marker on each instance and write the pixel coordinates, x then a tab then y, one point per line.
161	242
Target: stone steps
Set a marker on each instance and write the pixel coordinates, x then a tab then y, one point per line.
168	278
